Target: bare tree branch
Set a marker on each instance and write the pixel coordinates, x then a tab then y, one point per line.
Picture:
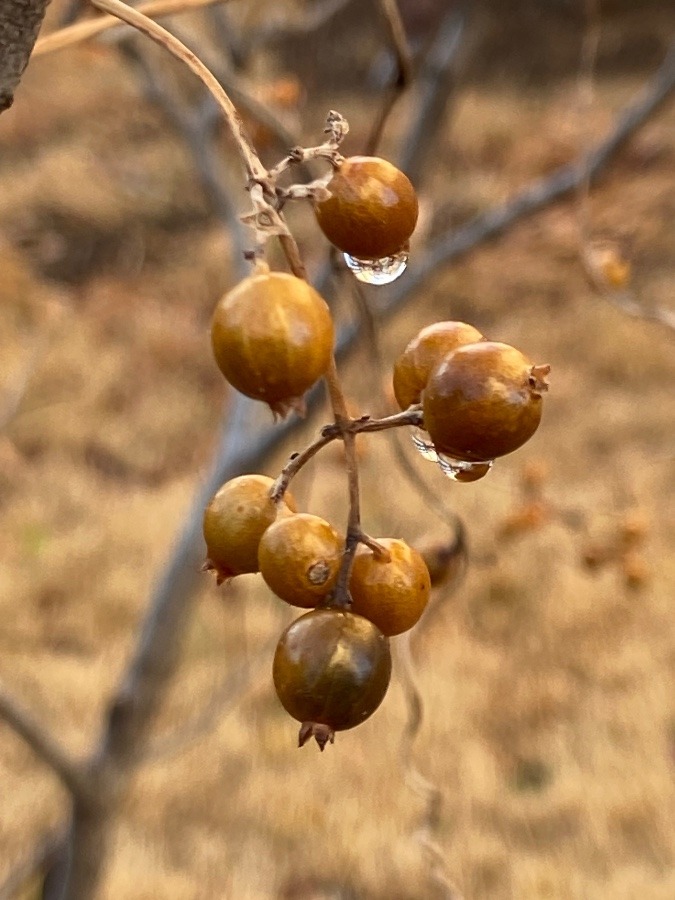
20	22
43	745
435	83
544	191
82	31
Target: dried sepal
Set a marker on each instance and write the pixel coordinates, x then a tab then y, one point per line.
322	734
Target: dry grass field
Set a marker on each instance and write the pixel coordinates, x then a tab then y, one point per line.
548	681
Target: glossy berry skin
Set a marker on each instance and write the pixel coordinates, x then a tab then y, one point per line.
372	209
299	558
235	520
414	366
272	337
331	668
392	593
483	400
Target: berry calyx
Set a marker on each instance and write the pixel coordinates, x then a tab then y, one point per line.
414	366
234	522
299	558
392	593
331	671
272	338
483	400
372	208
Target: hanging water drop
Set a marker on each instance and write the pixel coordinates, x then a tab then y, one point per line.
462	469
422	443
378	271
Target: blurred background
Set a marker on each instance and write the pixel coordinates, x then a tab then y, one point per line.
544	765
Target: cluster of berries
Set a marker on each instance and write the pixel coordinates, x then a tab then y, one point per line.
273	338
480	399
332	665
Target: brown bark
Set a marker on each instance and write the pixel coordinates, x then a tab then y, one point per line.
20	22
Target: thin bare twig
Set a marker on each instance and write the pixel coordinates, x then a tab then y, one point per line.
329	433
23	723
434	83
83	31
404	70
318	13
425	789
241	96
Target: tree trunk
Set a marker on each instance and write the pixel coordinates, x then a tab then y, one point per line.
20	22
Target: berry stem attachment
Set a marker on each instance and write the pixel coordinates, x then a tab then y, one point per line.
333	432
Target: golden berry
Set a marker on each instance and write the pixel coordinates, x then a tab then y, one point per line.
299	558
331	669
482	401
235	520
391	592
372	208
272	338
414	366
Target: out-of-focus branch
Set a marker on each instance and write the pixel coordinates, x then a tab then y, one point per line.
241	97
82	31
543	192
193	127
20	22
23	723
31	868
318	13
404	70
435	86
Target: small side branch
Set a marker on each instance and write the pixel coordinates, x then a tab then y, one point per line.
330	433
43	745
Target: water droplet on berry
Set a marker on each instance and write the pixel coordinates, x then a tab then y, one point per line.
422	443
461	469
378	271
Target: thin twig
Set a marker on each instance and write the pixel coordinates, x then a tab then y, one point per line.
318	13
240	95
329	433
585	90
425	789
83	31
404	70
434	85
23	723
